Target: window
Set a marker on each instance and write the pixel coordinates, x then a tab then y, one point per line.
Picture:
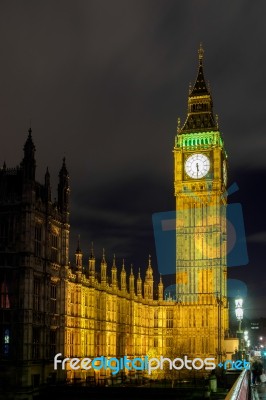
156	319
169	319
54	248
53	290
4	295
36	294
35	343
72	303
38	240
71	344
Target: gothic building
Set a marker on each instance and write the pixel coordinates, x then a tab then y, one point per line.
34	241
49	306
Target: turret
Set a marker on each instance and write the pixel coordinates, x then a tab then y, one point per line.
114	274
103	270
131	283
78	256
28	163
63	188
139	285
123	278
148	284
47	186
160	289
92	265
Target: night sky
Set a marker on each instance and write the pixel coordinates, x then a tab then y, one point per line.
103	83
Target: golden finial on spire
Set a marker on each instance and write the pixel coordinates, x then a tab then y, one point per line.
178	124
189	88
201	53
103	255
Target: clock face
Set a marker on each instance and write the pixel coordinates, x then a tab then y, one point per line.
197	166
224	173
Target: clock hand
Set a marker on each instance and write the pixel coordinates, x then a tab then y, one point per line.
197	166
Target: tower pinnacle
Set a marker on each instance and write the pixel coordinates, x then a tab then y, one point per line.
201	54
200	108
28	162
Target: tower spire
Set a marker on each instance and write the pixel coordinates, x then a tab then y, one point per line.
201	54
131	282
92	265
78	255
200	107
200	87
28	162
47	185
123	278
114	274
103	269
63	188
92	251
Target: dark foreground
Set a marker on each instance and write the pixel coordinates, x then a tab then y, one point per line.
128	393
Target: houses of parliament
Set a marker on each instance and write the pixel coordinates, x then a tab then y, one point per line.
85	309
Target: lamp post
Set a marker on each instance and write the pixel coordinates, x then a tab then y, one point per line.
246	344
239	316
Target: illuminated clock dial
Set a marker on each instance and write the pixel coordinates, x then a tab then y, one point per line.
224	173
197	166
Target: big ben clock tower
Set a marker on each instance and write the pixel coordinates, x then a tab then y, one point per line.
200	179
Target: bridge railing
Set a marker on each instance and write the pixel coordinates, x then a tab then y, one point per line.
241	388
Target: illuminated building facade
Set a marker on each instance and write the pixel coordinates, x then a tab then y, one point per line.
49	306
201	239
114	320
115	316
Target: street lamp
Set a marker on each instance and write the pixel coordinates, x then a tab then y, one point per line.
239	316
246	341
